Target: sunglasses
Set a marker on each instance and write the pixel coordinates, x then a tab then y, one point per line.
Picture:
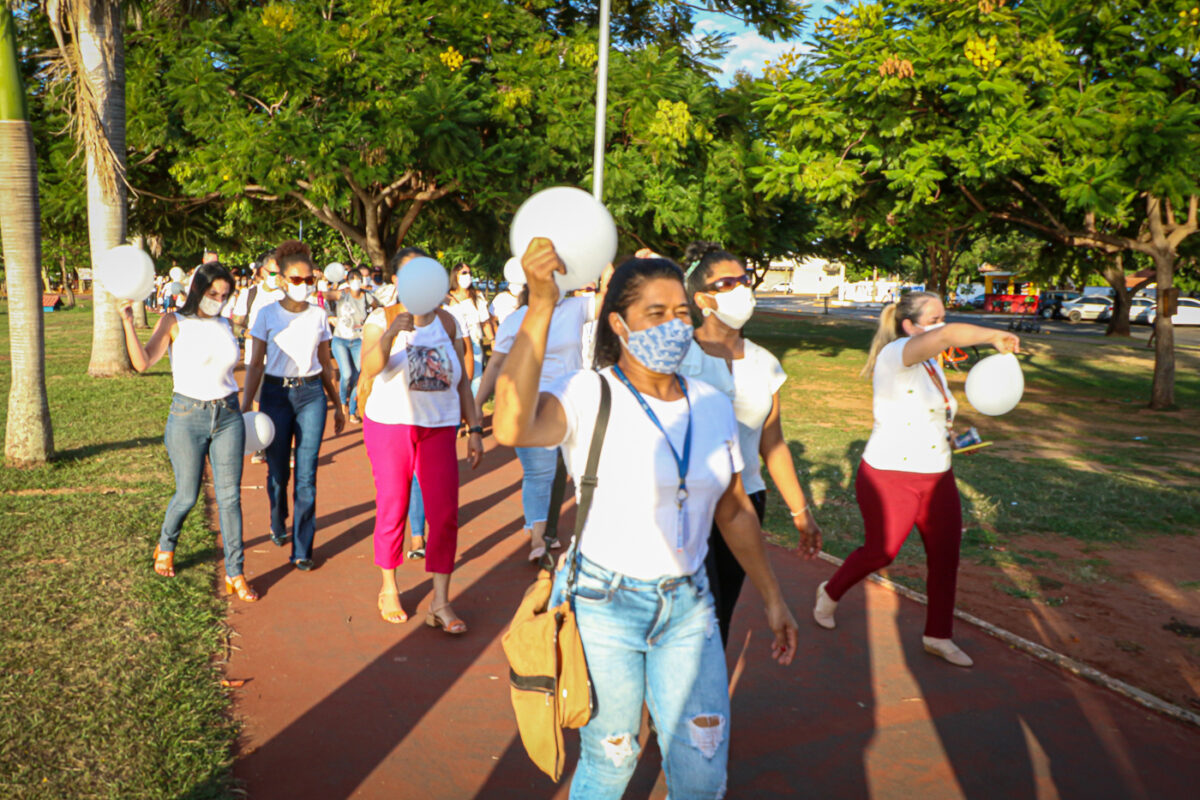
726	284
297	280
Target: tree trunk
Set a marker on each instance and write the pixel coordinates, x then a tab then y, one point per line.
68	290
1114	274
1162	393
101	41
29	438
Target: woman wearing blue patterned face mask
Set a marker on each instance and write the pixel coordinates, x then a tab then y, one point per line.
669	467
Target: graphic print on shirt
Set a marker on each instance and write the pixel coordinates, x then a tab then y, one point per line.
429	369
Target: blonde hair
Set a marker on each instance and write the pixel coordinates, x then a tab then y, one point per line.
890	324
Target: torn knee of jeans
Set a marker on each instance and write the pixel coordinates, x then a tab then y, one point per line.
620	748
707	732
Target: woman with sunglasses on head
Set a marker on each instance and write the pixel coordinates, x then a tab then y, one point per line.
291	360
668	468
905	477
204	418
720	290
470	308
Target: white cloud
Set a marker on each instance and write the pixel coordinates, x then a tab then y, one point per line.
747	48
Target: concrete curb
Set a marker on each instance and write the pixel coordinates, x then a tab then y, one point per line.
1045	654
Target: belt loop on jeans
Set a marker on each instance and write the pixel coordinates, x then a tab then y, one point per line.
290	383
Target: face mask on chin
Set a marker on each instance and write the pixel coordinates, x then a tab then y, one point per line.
210	307
659	349
299	291
734	308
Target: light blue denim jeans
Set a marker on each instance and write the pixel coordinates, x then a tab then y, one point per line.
654	642
477	349
348	354
537	481
196	428
416	510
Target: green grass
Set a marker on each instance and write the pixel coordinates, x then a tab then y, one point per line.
109	686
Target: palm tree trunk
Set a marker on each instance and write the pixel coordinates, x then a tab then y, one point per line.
100	37
29	438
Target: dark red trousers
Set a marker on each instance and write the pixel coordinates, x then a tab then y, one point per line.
891	503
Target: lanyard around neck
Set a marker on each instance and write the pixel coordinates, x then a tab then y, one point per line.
681	462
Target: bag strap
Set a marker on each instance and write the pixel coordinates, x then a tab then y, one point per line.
587	485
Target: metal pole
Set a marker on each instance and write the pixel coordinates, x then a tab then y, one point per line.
601	106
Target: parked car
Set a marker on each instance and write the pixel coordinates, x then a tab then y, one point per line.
1090	307
782	288
1141	310
1188	312
1051	302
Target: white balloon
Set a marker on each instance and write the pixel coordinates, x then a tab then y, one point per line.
175	288
582	230
514	273
260	431
176	273
421	285
335	272
126	272
995	384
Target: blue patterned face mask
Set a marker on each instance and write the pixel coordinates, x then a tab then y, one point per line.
659	349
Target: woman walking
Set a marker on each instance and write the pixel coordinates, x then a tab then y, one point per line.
720	290
204	418
353	305
470	308
668	469
418	396
291	361
905	477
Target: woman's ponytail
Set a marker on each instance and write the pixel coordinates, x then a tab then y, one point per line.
885	334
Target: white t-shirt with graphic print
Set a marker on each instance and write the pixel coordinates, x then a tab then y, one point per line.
419	383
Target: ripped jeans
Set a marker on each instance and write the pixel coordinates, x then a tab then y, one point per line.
653	642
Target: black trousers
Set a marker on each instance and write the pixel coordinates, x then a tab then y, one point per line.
725	574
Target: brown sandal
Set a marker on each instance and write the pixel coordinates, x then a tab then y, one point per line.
239	587
395	616
164	562
435	619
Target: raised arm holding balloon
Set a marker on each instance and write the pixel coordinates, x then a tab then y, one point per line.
204	417
905	477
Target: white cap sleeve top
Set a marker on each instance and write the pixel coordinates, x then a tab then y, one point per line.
910	415
292	339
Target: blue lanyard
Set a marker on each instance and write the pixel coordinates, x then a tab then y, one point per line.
681	462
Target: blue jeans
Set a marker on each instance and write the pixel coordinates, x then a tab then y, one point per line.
348	354
196	428
477	350
654	642
537	481
299	415
416	510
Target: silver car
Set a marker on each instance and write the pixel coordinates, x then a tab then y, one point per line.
1090	307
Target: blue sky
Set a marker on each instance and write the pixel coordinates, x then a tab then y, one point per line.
748	49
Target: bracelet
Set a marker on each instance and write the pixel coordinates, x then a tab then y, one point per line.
475	429
801	511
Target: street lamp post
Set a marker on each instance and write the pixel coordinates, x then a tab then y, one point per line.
601	106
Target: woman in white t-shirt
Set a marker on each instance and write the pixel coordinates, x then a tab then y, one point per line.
470	308
204	418
291	360
905	477
720	290
418	395
669	466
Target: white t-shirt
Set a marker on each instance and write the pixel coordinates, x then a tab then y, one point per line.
292	339
243	307
634	524
751	386
910	415
503	304
203	356
564	344
470	316
419	383
384	293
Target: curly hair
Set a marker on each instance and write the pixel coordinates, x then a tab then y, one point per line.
290	252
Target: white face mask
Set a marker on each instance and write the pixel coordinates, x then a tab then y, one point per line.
464	281
323	286
272	281
299	291
734	307
933	327
210	307
354	285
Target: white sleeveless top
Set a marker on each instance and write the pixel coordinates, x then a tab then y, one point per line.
202	358
419	383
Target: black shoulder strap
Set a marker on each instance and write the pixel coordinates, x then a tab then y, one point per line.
250	295
587	484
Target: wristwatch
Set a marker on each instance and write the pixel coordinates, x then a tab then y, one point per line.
476	429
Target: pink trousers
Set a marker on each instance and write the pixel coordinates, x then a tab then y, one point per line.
397	452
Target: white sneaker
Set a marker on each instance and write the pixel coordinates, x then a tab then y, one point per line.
948	650
823	610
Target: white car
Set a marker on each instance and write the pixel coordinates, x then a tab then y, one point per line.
1090	307
782	288
1188	312
1141	310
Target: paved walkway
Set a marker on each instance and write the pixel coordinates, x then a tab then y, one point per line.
338	704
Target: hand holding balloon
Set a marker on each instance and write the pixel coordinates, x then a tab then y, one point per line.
582	230
402	322
1006	342
541	263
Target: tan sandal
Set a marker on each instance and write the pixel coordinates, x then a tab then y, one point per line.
241	588
392	611
454	625
164	562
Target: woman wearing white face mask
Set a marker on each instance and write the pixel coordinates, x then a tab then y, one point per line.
470	308
204	418
353	306
291	342
668	467
719	289
905	477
